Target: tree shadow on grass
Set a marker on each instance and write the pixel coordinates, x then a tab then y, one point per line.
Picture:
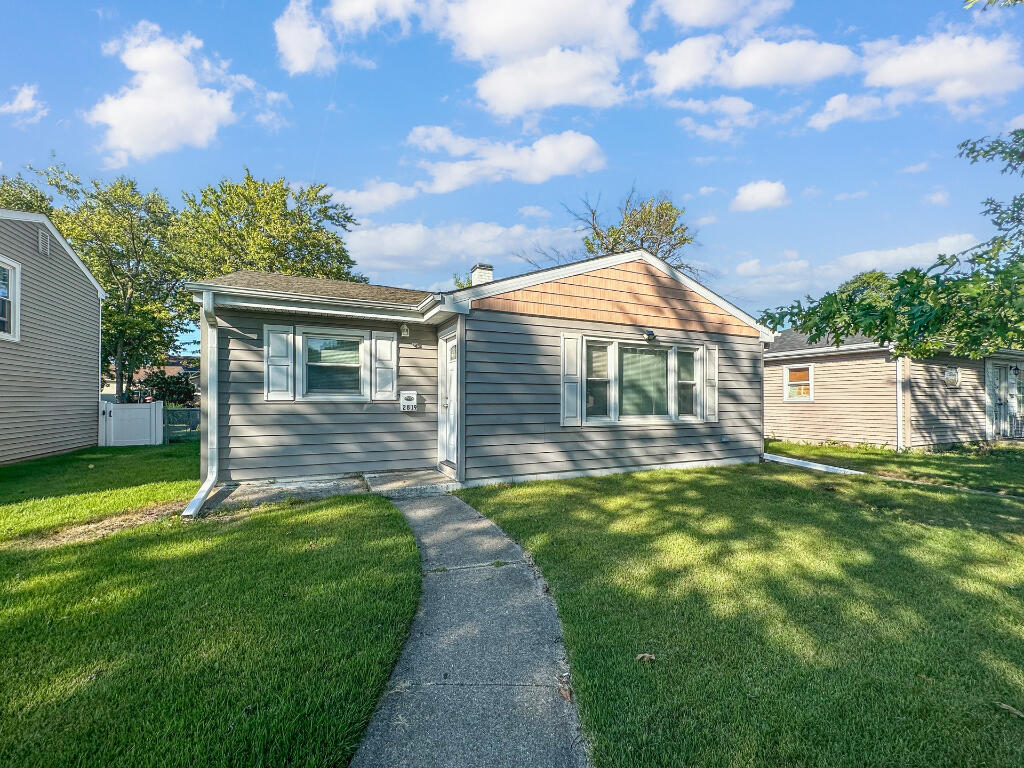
264	640
795	619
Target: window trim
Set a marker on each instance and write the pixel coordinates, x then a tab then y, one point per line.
349	334
785	383
614	391
15	299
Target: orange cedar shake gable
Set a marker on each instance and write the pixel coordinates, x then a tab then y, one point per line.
634	293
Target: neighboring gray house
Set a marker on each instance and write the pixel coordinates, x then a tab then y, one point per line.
606	365
859	393
49	341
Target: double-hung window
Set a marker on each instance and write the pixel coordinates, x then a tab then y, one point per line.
333	364
639	382
9	300
798	383
326	363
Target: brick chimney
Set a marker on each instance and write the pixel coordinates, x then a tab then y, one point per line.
482	273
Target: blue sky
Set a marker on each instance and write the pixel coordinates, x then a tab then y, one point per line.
807	140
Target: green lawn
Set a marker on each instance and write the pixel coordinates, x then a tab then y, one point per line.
795	618
44	495
1000	469
260	638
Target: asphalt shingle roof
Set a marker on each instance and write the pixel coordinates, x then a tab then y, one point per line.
791	341
319	286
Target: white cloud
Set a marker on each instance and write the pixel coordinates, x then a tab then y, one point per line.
704	191
947	67
375	196
786	279
716	13
511	30
686	64
415	246
797	62
534	212
25	105
842	106
732	111
357	17
705	60
553	155
535	54
758	195
175	98
916	167
302	40
938	196
1016	123
704	221
811	192
852	195
557	77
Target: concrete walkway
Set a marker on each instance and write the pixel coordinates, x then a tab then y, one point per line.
482	680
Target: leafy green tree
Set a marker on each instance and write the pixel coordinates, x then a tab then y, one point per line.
970	303
269	226
123	235
19	194
463	281
969	4
655	224
177	389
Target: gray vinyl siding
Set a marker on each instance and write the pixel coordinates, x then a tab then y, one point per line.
855	400
512	391
49	391
262	440
940	414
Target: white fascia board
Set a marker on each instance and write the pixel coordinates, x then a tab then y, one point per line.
820	351
316	308
39	218
466	296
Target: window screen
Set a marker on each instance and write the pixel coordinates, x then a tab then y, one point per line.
332	365
6	307
598	380
643	374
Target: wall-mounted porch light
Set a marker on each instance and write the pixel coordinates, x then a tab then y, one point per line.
649	335
403	329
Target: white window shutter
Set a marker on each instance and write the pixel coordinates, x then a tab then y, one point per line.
278	362
710	383
385	365
572	346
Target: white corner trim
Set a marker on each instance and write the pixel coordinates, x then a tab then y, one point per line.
466	296
785	383
39	218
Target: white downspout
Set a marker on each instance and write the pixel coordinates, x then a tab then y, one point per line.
212	398
899	405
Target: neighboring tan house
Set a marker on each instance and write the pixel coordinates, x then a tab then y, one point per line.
49	341
176	364
612	364
858	393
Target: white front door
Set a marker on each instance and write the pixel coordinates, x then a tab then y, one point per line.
448	441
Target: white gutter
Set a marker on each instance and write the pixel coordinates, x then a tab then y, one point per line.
819	351
211	397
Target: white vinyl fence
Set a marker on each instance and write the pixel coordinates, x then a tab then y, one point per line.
131	423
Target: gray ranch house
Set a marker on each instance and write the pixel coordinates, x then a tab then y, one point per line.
608	365
49	341
858	392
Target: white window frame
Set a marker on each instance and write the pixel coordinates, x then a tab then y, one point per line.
785	383
614	392
348	334
15	299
